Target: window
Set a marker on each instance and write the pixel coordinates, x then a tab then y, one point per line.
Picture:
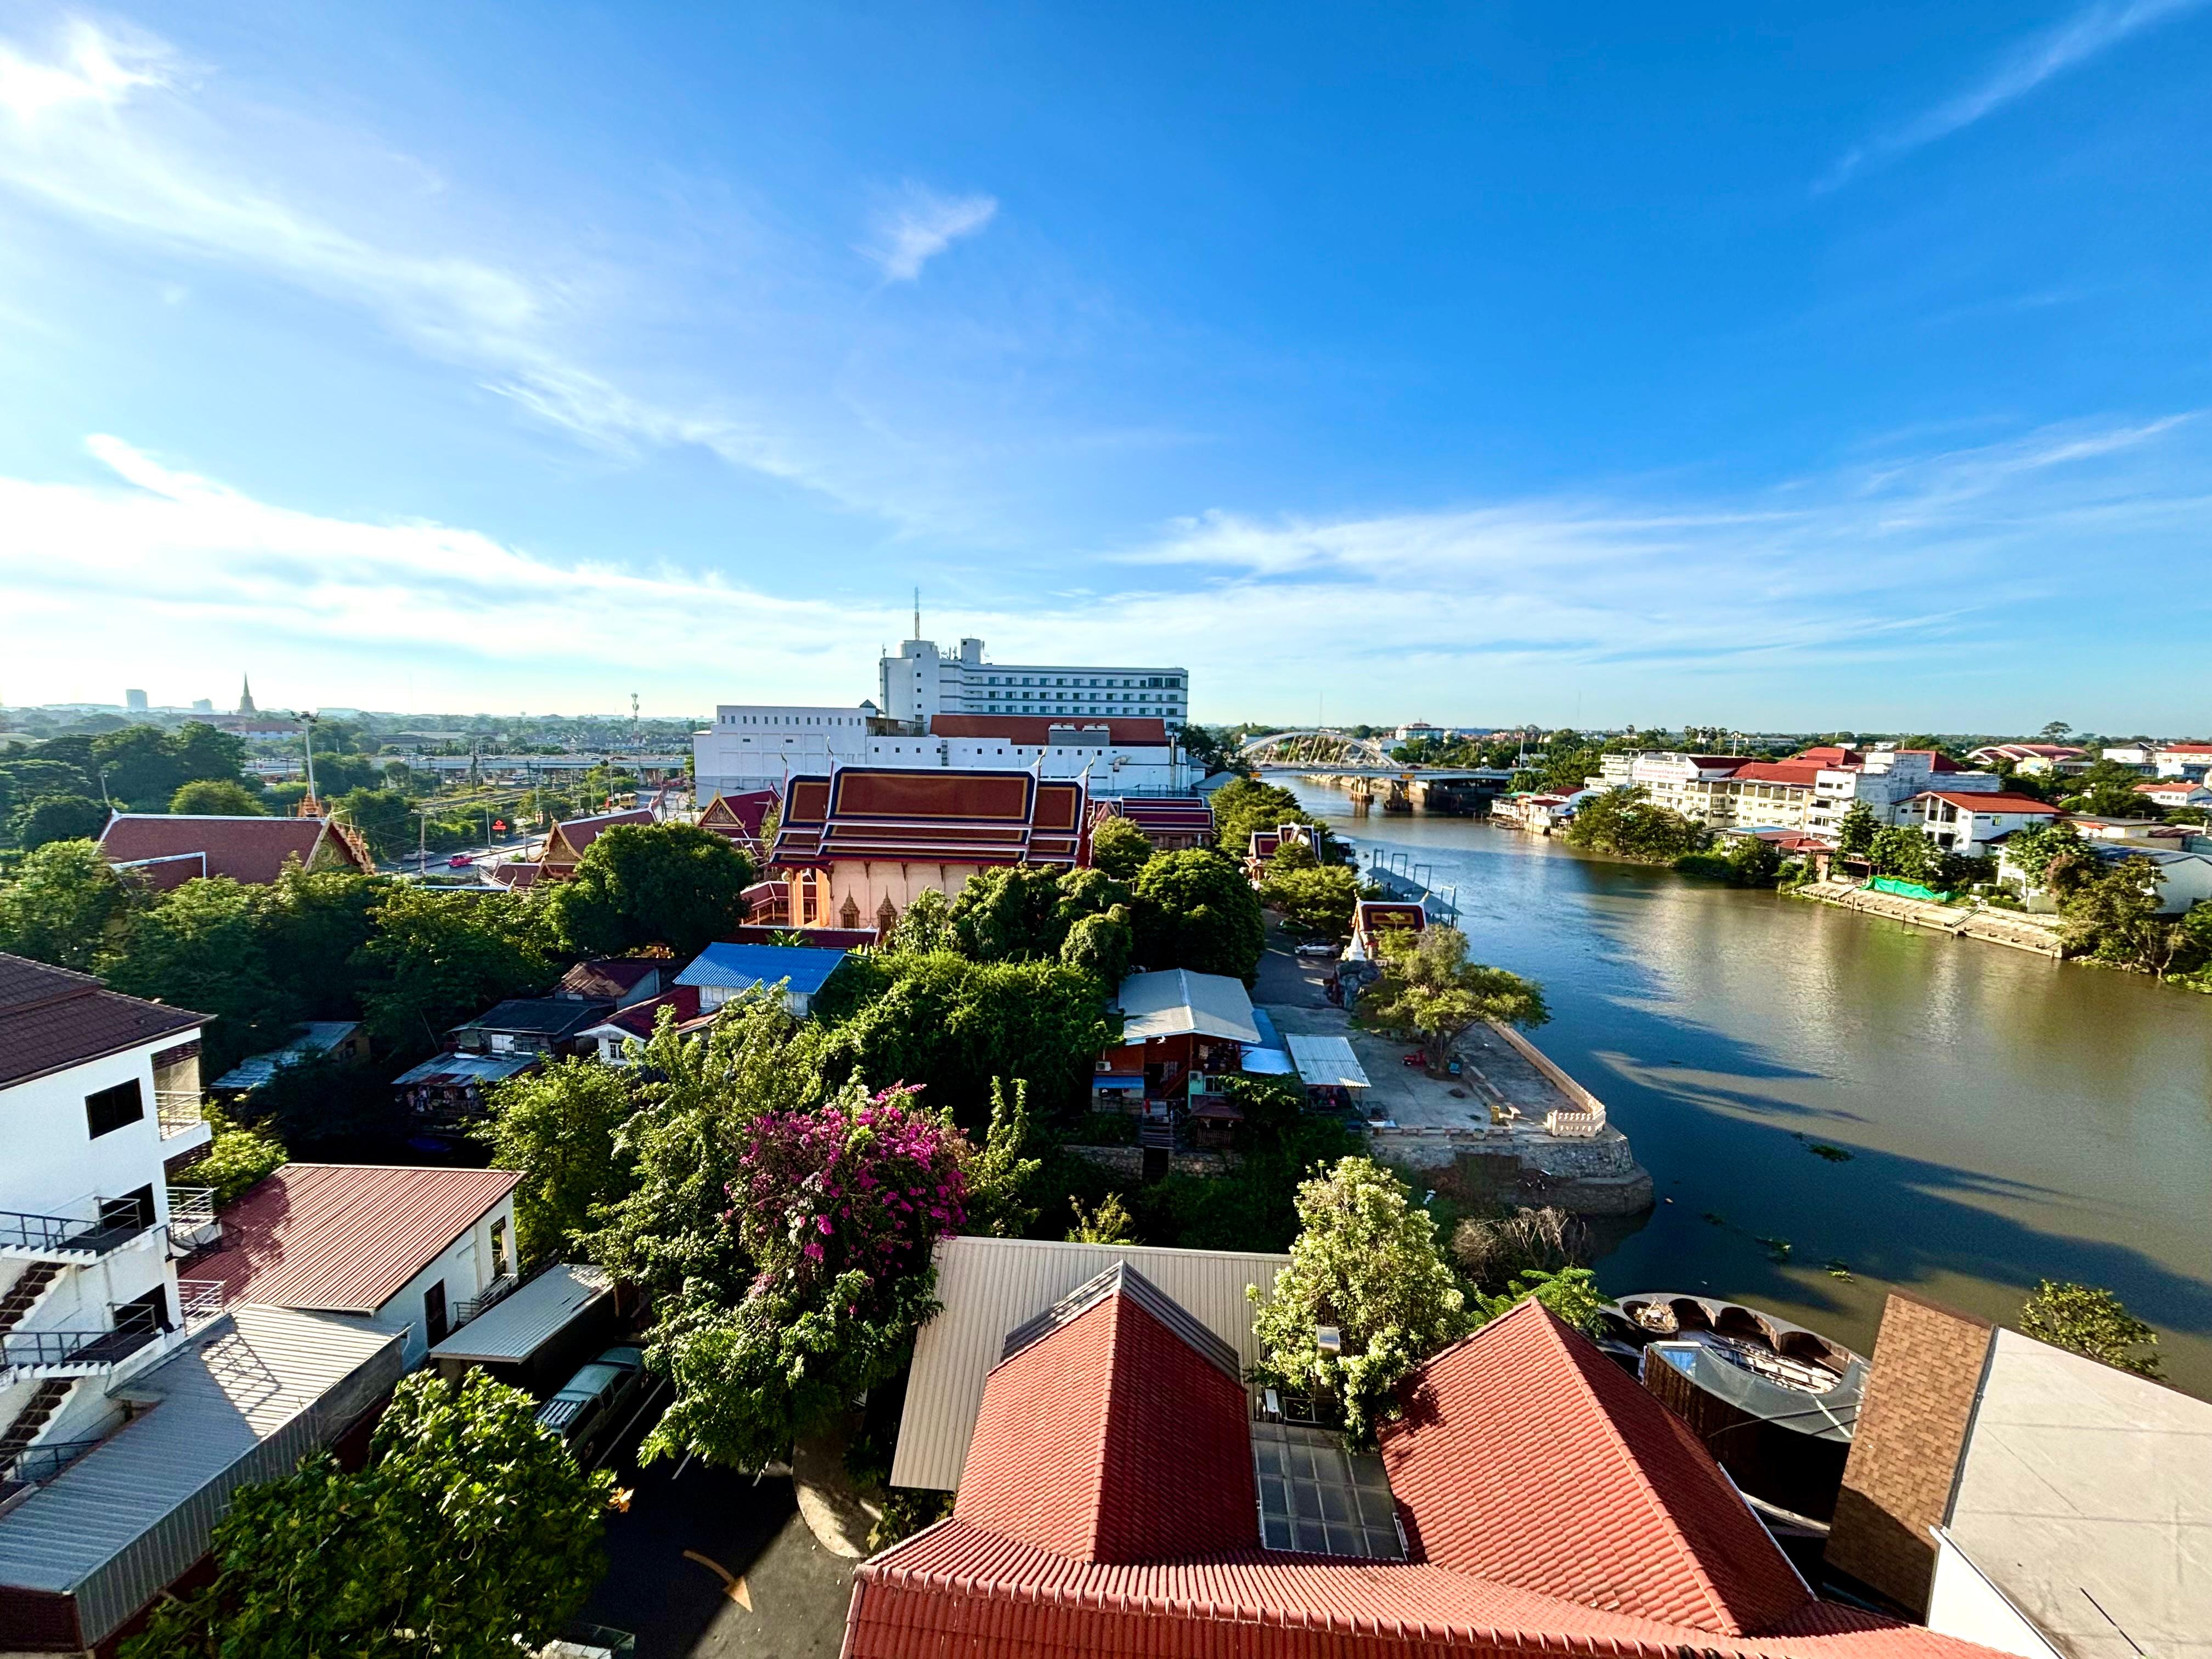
111	1108
499	1242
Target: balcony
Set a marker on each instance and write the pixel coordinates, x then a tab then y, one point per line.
94	1227
179	1112
26	1354
201	1301
193	1225
492	1294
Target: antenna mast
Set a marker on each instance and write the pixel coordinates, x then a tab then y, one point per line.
917	613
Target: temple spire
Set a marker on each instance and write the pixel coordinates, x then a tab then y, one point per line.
245	695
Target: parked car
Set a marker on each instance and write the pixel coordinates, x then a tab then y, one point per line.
1319	952
459	862
594	1400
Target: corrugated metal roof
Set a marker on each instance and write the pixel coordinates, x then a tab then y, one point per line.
990	1286
1177	1002
1325	1061
239	1404
51	1019
514	1329
345	1237
741	967
458	1068
316	1037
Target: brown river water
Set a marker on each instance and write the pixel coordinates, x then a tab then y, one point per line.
2008	1118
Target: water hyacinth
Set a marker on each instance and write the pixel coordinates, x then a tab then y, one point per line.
863	1186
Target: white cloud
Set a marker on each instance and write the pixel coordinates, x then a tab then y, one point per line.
2094	29
919	226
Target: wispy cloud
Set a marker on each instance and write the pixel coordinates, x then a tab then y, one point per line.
1918	567
910	232
2094	29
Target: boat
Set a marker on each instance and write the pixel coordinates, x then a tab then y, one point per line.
1775	1403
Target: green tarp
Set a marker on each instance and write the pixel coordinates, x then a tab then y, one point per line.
1907	889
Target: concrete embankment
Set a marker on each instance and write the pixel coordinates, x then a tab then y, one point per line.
2006	928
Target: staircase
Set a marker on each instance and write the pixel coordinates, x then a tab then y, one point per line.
31	1421
23	1295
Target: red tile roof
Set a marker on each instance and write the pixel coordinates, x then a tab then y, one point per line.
1829	755
1804	774
1990	803
344	1238
2184	749
1164	814
1075	1534
1525	1422
738	817
51	1019
566	843
1034	729
965	816
639	1020
247	849
609	978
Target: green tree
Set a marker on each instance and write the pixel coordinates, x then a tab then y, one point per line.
2031	848
23	781
1321	898
560	1126
1195	910
314	925
1247	804
998	1174
2107	789
1628	825
1569	1292
217	798
141	766
325	1562
2111	911
440	957
1010	915
927	926
1856	830
384	818
235	1160
2087	1321
1904	852
204	751
199	946
67	905
1099	945
1754	863
57	818
1429	986
1106	1223
640	884
1365	1264
1119	848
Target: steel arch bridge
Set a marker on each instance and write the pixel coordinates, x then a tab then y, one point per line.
1314	746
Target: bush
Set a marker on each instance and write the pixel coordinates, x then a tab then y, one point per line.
1493	1251
236	1159
1703	864
2087	1321
1119	848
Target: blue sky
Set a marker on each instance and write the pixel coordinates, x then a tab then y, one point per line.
1809	366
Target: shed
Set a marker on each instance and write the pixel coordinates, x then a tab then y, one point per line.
311	1041
990	1287
529	1338
1326	1062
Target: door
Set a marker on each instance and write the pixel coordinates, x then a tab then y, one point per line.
433	1312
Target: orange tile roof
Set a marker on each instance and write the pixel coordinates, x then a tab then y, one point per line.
344	1238
251	849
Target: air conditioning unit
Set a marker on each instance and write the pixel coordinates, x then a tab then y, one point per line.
1102	1065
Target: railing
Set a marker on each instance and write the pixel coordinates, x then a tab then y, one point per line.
36	1465
193	1225
200	1300
34	1351
178	1112
111	1224
497	1292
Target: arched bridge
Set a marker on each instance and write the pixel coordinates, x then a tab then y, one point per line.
1314	746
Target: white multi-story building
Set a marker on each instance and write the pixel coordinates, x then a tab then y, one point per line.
921	682
99	1093
2183	760
1885	778
758	746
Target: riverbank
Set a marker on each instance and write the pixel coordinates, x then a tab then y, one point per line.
1957	1123
2011	928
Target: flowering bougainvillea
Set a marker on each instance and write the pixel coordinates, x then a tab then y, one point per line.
863	1190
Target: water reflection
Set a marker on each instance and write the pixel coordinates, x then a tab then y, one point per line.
2007	1118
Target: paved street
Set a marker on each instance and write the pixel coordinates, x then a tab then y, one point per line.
680	1608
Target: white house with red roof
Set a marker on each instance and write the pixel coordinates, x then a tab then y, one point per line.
2182	760
2033	758
2175	792
410	1252
1124	1492
1885	780
1970	822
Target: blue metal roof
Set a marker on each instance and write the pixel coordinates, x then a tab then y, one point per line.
739	967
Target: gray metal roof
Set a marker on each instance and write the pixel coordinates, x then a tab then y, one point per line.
510	1332
1177	1002
1325	1061
238	1404
315	1037
455	1067
991	1287
2086	1497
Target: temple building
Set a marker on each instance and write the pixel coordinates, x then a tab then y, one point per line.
855	846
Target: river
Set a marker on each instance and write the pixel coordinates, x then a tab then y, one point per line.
2007	1118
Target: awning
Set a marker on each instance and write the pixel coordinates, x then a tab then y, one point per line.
1133	1084
512	1330
1327	1062
1267	1062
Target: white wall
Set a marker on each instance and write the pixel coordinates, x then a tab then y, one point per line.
1964	1604
464	1267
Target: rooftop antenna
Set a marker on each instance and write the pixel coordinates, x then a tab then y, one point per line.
917	613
